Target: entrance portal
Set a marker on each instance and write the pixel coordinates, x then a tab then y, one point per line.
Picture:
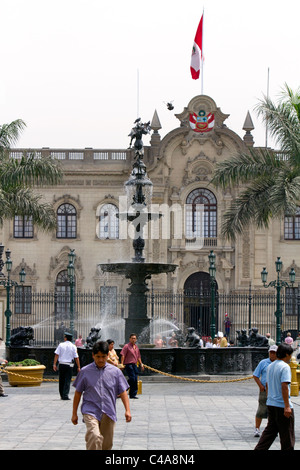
197	300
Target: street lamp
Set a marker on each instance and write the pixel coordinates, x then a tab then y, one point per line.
212	274
278	284
8	284
71	278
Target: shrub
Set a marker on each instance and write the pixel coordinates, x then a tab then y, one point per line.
25	362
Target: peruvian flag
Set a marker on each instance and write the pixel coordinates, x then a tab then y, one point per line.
197	53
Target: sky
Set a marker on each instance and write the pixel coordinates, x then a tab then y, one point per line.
79	72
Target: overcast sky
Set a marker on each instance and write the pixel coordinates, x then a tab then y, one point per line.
78	72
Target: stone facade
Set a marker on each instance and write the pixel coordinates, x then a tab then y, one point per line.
180	166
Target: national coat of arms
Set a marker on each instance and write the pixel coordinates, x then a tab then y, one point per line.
202	122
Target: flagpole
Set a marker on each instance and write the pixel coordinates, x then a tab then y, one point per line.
138	93
202	53
267	99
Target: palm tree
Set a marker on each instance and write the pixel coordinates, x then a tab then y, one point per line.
267	182
18	178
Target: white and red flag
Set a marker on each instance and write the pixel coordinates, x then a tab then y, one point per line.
197	52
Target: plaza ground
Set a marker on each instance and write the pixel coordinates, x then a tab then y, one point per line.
169	415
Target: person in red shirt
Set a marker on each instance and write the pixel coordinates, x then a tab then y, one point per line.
130	356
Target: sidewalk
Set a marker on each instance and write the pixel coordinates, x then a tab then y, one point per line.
167	416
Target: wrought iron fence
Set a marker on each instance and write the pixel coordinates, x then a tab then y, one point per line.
48	313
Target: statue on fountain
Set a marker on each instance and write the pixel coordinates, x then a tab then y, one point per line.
22	336
242	338
93	337
137	134
253	339
179	337
193	339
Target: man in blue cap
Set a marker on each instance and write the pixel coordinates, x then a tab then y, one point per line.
65	355
260	377
280	409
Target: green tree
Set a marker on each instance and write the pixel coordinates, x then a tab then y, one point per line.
267	182
19	179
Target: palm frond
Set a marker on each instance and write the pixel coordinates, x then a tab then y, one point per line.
241	168
251	206
10	133
264	199
283	124
30	171
27	203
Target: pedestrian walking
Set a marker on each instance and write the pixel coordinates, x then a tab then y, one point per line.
65	355
130	357
280	408
260	377
100	383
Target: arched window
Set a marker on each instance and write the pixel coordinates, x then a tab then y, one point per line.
201	224
292	226
108	222
62	288
66	221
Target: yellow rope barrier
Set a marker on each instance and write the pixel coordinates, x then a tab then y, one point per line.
197	380
239	379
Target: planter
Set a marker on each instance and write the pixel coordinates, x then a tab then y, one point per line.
25	376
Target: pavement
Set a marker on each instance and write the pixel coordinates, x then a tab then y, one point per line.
169	415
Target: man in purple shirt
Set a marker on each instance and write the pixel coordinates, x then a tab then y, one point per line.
100	383
130	356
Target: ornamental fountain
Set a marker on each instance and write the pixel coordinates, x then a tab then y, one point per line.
139	191
187	359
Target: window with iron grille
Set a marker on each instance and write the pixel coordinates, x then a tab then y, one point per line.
292	226
23	300
292	300
108	222
23	226
62	289
197	223
66	221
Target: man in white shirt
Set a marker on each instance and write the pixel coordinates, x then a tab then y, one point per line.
65	354
280	408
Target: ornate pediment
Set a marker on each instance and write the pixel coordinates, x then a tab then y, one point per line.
202	115
199	168
285	273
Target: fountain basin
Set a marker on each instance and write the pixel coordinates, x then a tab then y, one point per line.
178	361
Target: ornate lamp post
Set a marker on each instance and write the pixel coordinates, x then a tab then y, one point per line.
8	284
71	277
212	273
278	284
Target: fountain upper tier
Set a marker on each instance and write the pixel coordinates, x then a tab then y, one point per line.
138	269
139	192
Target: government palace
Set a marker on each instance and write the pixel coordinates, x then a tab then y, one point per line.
180	166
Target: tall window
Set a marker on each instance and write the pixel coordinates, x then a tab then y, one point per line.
66	221
23	226
197	223
62	294
292	226
108	222
23	299
292	298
